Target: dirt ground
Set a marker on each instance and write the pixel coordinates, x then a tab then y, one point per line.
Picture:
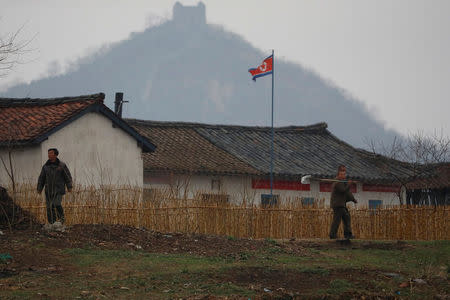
38	251
114	237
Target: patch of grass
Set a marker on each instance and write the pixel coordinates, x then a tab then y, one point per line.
126	282
21	295
374	258
88	257
142	260
423	261
228	289
271	242
382	286
128	274
292	260
274	250
339	286
272	246
428	258
314	251
164	275
320	292
245	255
315	270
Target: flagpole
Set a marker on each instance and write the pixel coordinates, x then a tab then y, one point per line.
271	152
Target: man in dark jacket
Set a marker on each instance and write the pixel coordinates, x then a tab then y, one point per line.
340	195
55	176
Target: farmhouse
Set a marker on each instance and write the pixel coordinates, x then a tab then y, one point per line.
232	163
99	147
432	189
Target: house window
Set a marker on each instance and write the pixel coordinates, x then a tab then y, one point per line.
308	201
214	198
269	200
374	204
215	184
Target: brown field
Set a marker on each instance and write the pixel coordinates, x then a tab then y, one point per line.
120	262
118	247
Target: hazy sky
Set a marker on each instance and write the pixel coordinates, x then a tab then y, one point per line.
392	55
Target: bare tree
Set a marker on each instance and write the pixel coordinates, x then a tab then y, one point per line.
11	50
10	211
7	162
420	149
425	156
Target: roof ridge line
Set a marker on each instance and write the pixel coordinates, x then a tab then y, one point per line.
312	127
14	102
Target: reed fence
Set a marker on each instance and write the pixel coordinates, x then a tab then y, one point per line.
126	206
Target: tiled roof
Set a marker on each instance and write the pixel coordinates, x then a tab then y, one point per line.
24	120
437	176
29	121
182	149
298	150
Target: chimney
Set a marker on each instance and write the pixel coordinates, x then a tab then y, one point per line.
118	104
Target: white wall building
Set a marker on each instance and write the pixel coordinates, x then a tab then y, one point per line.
99	147
233	162
237	189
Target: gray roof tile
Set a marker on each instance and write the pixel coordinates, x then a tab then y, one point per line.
298	150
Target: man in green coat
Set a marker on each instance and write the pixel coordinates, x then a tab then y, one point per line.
55	177
340	195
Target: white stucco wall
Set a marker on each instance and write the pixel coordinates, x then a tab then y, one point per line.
96	152
240	187
26	164
237	187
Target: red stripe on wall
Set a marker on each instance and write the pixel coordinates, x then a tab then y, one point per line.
326	187
380	188
280	185
161	179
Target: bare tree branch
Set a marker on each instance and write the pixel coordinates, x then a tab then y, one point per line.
425	154
11	49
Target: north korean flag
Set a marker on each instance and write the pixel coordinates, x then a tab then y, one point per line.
264	69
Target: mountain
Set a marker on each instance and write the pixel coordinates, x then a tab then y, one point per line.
188	70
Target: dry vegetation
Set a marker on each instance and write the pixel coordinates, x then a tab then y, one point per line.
160	212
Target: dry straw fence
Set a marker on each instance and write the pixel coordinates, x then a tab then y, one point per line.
164	214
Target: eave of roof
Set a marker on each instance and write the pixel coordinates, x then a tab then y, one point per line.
96	106
297	146
206	172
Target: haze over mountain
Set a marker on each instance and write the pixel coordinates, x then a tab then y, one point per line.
188	70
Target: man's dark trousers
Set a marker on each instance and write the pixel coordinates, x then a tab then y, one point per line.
341	213
54	208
